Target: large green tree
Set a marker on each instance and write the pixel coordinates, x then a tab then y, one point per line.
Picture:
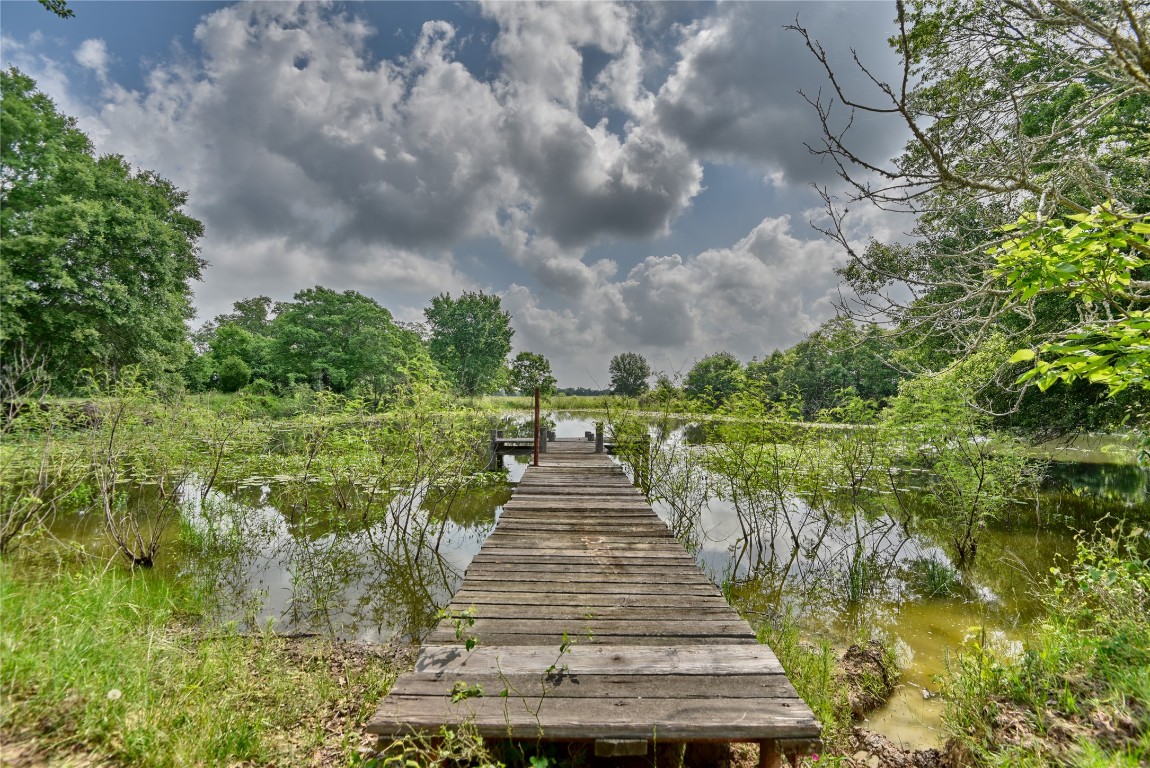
470	340
96	259
530	370
348	335
714	379
837	361
1020	113
629	373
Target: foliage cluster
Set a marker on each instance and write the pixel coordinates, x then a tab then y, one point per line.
1025	173
629	373
96	259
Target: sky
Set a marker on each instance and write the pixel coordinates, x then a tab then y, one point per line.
625	176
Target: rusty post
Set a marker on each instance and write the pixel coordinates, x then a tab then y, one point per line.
536	462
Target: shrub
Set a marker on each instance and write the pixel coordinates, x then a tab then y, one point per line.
234	374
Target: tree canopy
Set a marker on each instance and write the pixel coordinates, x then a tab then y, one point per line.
530	370
1022	114
629	373
322	338
96	259
714	379
470	340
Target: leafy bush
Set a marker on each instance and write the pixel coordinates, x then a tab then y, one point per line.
1080	692
234	374
260	388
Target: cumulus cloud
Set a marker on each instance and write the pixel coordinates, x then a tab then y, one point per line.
312	159
767	290
288	126
764	292
733	95
93	54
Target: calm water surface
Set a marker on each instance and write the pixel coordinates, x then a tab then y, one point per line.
850	576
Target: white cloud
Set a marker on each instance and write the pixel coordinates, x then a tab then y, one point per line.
93	54
766	291
312	160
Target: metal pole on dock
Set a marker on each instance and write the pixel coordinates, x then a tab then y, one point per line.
536	462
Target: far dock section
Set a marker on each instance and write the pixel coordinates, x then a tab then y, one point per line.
594	624
501	446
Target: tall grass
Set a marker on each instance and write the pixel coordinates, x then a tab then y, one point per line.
1080	693
813	668
109	663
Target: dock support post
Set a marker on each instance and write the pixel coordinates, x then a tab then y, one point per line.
599	437
493	451
535	463
769	756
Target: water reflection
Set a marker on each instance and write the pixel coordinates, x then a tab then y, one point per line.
331	573
817	540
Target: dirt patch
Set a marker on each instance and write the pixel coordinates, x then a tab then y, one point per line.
873	750
869	677
1060	735
342	721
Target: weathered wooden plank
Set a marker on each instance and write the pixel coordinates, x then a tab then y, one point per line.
565	684
587	602
583	547
495	638
564	490
730	626
567	718
639	591
589	516
575	556
613	612
566	540
752	659
584	577
581	524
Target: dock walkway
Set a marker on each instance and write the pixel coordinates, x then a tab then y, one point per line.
594	624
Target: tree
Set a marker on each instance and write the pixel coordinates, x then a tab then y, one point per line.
347	334
231	340
1020	112
253	315
58	7
837	361
470	340
973	474
629	373
95	259
234	374
714	379
529	370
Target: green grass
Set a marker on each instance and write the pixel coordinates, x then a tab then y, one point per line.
110	664
813	669
1080	693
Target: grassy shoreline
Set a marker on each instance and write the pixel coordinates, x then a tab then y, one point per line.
107	665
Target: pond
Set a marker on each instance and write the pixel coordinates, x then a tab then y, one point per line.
841	575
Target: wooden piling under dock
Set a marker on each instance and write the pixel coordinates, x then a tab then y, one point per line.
591	623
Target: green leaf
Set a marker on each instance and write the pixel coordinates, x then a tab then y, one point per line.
1022	355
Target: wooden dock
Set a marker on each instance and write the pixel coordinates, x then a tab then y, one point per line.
594	624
